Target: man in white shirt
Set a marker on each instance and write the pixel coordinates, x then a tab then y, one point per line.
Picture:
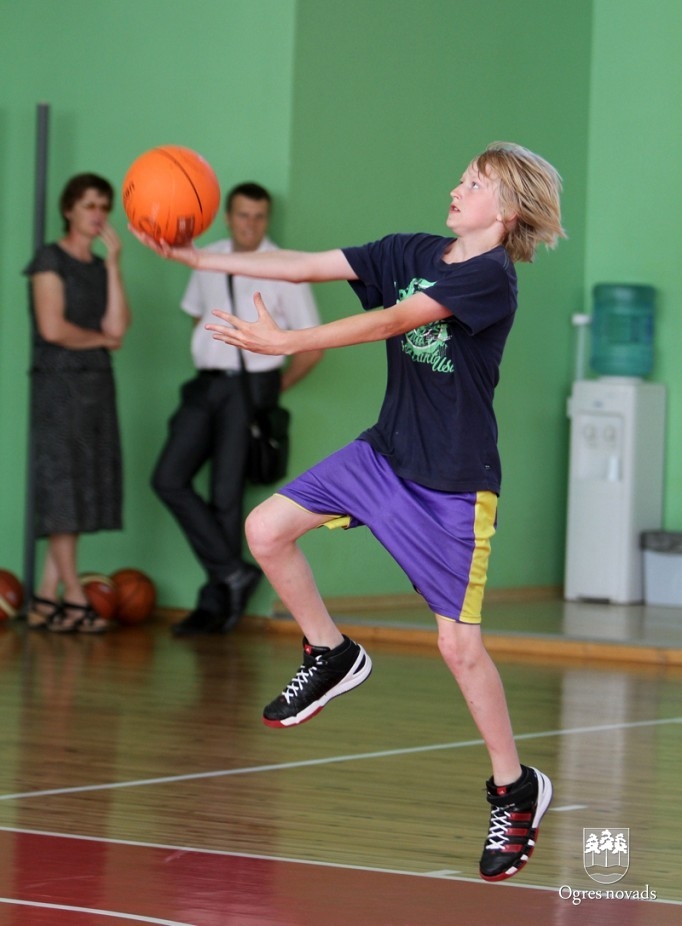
211	422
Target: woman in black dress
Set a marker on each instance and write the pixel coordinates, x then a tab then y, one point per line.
80	313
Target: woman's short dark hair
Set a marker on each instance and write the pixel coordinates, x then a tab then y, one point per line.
75	189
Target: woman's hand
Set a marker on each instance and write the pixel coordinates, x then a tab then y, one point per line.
111	242
261	337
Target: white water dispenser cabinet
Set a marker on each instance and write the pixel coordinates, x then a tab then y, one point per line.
615	488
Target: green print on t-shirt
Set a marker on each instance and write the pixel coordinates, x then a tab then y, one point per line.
427	343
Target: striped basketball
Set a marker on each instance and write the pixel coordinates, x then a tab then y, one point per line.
171	193
101	593
136	595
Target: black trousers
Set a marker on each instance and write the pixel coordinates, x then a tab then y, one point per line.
211	424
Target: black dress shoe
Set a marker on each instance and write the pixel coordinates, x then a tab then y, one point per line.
240	588
197	621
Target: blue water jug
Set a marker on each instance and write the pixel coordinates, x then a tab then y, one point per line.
622	330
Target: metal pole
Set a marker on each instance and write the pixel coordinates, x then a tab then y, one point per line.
40	197
43	114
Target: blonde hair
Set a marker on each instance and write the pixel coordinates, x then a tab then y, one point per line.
529	197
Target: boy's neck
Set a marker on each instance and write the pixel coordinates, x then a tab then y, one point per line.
463	249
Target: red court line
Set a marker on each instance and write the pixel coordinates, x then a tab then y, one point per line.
210	889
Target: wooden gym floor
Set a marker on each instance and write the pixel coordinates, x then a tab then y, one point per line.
138	784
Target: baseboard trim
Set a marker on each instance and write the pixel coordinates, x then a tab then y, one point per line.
355	604
410	600
520	647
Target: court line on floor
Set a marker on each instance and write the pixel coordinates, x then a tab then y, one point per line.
370	869
330	760
68	908
260	857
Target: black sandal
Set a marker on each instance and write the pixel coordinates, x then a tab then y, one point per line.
51	619
89	621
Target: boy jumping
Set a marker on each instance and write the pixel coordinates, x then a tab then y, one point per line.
425	479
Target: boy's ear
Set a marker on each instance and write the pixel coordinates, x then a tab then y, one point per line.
509	221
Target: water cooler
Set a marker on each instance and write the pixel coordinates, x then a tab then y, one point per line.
617	436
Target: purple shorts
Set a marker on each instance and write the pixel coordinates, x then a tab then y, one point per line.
441	540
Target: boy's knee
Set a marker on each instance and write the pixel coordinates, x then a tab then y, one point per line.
258	530
461	646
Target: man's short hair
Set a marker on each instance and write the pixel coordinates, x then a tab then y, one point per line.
251	190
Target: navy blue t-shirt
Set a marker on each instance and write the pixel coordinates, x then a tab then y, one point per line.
437	426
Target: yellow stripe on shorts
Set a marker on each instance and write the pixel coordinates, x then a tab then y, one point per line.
484	528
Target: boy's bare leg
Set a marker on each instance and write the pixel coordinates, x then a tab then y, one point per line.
333	664
518	795
272	532
462	648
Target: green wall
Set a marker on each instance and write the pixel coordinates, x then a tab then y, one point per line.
391	101
361	117
634	185
121	78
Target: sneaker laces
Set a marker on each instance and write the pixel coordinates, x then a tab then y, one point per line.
298	682
500	823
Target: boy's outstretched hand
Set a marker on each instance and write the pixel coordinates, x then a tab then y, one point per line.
187	254
261	337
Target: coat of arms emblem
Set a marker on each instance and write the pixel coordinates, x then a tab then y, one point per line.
606	854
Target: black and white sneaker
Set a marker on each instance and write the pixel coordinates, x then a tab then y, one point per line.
325	673
514	820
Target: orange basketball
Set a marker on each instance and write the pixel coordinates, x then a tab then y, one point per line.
136	595
101	592
171	193
11	594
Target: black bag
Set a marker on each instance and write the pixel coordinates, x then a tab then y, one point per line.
268	445
268	452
